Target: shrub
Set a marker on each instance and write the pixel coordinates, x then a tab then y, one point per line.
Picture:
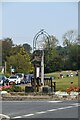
13	89
7	75
16	89
73	88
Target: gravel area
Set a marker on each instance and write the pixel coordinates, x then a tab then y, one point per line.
38	97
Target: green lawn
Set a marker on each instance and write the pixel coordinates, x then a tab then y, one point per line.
63	83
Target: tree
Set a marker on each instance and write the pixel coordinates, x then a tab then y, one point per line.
78	57
0	53
51	55
62	51
70	37
74	56
51	42
6	48
70	42
54	63
27	48
15	49
20	61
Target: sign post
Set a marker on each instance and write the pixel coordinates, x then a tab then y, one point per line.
39	47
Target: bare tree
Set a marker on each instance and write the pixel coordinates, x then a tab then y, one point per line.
70	37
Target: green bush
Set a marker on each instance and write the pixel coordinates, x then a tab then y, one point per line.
6	74
16	89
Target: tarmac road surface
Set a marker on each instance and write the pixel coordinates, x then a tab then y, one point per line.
40	109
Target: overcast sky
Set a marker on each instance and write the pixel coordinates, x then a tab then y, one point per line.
22	20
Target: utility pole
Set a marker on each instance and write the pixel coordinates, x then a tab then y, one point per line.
11	69
5	67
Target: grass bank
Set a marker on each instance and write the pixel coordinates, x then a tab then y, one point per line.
63	83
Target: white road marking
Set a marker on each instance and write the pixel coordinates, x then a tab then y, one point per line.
22	116
51	110
54	101
17	117
41	112
4	116
65	107
28	115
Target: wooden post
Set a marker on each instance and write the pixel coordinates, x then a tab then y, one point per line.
51	84
54	86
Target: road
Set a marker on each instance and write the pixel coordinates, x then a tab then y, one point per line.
40	109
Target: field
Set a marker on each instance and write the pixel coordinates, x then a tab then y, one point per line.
63	83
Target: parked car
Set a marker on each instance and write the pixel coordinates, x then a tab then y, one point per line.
27	78
20	75
14	80
3	80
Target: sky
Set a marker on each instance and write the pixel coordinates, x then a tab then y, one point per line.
22	20
0	20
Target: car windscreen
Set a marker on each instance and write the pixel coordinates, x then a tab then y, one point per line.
12	77
19	75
